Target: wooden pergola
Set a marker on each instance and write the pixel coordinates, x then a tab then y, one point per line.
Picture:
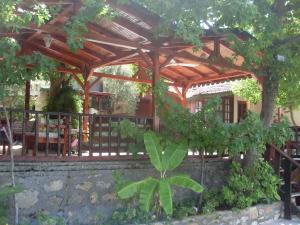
128	39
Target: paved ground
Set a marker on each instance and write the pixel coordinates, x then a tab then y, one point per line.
284	222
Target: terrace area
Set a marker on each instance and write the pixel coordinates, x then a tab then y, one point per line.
126	39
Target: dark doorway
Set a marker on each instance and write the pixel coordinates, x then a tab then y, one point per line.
242	110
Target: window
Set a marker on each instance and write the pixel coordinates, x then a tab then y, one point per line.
198	106
227	109
195	106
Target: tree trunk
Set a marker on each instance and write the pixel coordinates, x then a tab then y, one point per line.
292	116
269	94
9	137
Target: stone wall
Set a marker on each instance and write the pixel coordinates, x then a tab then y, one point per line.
250	216
80	190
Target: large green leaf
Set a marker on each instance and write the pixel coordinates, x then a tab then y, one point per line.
186	182
153	149
9	191
130	190
147	191
174	155
165	196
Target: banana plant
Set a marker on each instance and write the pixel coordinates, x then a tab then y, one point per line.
163	160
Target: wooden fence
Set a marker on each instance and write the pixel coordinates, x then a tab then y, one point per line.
37	134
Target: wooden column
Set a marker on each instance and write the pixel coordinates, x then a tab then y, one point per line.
85	109
27	99
155	81
27	95
183	101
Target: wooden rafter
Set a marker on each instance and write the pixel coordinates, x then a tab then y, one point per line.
115	59
145	57
76	78
54	54
95	82
166	62
66	11
120	77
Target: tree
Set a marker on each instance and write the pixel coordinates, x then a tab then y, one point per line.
248	89
14	69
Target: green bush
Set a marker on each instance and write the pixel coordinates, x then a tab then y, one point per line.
246	187
45	219
6	192
213	199
67	100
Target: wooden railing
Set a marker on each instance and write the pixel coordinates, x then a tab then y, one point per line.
37	133
286	162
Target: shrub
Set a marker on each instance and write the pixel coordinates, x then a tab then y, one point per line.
246	187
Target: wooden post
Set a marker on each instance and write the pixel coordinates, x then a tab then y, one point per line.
155	81
27	99
287	188
183	101
86	108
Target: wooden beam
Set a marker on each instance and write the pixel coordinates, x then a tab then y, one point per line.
65	12
166	62
178	93
155	82
145	57
115	59
111	41
76	78
120	77
185	56
55	55
95	81
194	70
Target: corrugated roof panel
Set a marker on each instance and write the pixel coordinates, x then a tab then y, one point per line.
128	34
134	20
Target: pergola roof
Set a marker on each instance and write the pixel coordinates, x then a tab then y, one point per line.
128	39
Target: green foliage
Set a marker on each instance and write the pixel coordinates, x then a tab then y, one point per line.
66	100
131	216
160	189
129	130
202	129
185	208
6	192
13	69
246	187
248	89
45	219
279	133
213	199
123	92
91	11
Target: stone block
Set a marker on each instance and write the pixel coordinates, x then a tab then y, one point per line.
27	199
55	185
